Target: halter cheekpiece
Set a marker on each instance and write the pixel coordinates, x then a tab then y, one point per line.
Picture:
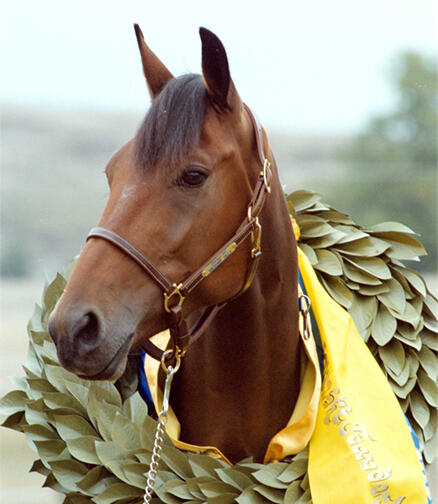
175	293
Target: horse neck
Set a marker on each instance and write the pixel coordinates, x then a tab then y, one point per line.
262	324
248	360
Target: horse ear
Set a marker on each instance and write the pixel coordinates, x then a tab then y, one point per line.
216	72
157	75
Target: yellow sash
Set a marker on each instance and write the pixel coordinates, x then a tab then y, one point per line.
361	450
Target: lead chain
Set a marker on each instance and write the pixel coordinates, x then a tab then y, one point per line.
162	420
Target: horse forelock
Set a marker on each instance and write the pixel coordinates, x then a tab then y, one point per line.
172	126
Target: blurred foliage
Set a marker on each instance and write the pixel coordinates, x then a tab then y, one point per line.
392	166
14	260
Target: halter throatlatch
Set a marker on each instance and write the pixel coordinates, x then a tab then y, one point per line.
175	293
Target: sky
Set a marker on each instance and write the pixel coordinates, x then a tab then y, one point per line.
319	66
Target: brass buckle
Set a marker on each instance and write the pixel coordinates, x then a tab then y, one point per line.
176	291
256	240
266	167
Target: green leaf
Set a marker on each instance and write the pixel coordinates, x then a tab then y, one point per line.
312	226
363	310
96	481
359	276
326	241
101	414
431	448
73	427
365	247
338	290
309	252
50	450
405	390
35	413
303	199
402	246
13	402
413	278
430	339
59	401
135	473
429	388
39	432
212	489
402	377
68	473
410	315
432	304
175	487
294	470
225	498
351	233
83	449
395	298
293	493
373	290
125	433
419	408
393	356
177	462
384	326
249	496
235	478
429	362
416	343
270	494
106	391
373	266
204	466
269	475
328	262
389	227
111	455
79	391
53	293
117	492
135	409
334	216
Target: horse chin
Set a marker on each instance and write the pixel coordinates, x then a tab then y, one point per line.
115	367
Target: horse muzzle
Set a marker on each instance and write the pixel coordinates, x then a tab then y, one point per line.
83	345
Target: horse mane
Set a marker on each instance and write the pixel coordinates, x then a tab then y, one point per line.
177	113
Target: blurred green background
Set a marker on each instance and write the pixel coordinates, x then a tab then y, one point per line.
53	189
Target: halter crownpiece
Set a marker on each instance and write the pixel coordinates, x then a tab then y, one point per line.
175	293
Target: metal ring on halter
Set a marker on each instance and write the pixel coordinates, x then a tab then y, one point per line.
170	352
266	166
176	291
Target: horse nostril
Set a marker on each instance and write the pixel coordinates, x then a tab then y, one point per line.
87	329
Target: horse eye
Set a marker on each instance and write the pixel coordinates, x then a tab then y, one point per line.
193	178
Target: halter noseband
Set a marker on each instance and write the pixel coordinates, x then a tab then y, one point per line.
175	294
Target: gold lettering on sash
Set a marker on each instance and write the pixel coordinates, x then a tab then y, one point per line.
380	475
355	427
356	436
379	488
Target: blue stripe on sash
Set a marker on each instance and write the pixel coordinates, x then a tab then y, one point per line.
143	385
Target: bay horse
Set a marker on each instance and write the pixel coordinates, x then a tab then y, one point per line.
180	191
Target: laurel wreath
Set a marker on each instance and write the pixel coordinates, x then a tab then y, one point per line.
94	448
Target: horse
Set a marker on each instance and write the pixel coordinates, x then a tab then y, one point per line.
189	198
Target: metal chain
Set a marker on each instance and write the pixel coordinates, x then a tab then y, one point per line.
162	420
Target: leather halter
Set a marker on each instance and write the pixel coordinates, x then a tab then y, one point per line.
175	294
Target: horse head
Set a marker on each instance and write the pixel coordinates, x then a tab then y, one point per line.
178	192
